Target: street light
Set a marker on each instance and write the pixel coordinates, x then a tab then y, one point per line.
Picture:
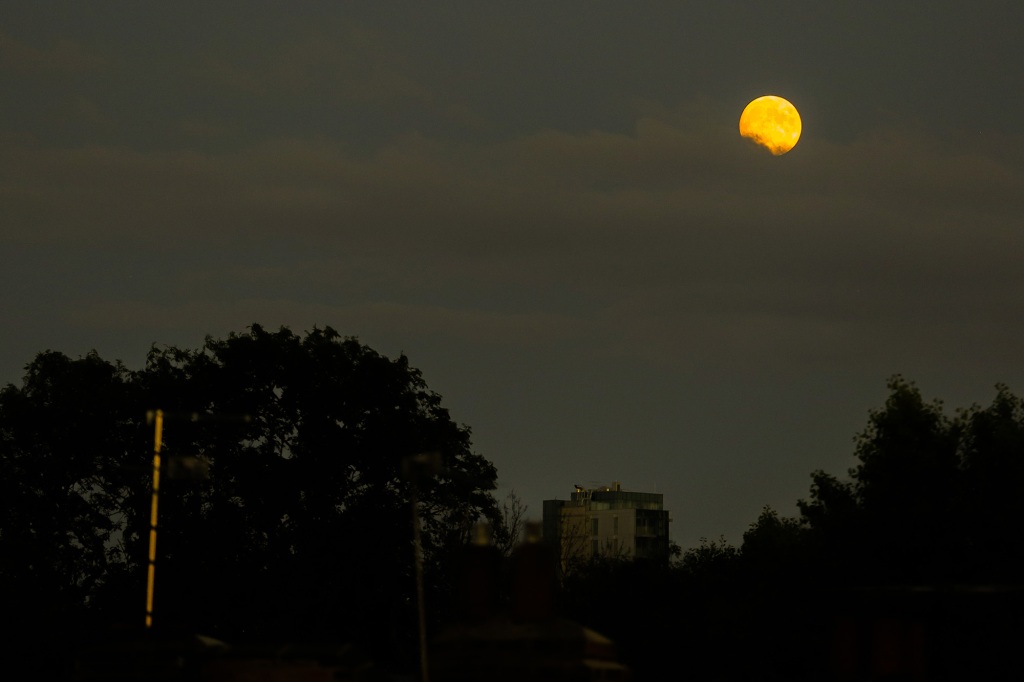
179	467
418	468
157	417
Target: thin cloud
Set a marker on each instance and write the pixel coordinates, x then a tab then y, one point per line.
62	57
381	318
676	234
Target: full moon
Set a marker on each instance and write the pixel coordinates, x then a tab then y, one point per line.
771	122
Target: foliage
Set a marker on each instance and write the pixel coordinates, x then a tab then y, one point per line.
64	436
774	546
710	558
510	525
932	504
305	523
991	451
933	499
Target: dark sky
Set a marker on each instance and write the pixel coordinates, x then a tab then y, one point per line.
547	206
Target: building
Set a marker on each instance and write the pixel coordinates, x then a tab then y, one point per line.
607	521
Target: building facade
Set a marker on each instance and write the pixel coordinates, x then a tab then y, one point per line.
607	521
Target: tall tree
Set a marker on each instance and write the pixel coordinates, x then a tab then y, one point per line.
65	436
932	499
60	463
906	483
304	525
992	459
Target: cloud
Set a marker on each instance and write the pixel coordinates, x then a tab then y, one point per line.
523	330
675	239
346	64
63	57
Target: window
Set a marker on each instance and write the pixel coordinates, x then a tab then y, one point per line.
615	525
594	526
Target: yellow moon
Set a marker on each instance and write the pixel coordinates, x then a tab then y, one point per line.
771	122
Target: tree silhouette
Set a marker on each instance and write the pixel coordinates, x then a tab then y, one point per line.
65	436
910	567
304	526
933	498
992	462
511	525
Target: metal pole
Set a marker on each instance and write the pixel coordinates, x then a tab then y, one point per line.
421	608
151	579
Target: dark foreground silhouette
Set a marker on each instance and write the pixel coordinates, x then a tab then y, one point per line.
297	548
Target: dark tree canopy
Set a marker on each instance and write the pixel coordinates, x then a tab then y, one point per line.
909	566
65	438
933	499
304	525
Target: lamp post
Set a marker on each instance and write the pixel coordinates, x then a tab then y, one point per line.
196	467
157	416
416	468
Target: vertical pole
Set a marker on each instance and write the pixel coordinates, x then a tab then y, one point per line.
420	606
151	578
